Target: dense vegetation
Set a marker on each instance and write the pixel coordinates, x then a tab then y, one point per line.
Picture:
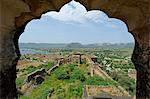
67	83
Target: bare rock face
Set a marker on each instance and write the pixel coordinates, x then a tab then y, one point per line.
15	14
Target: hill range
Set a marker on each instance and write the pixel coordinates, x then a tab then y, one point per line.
76	45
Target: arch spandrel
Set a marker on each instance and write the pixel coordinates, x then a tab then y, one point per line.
132	12
37	8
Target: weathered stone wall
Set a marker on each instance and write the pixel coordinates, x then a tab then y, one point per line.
15	14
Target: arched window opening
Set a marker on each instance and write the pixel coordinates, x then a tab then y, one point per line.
73	54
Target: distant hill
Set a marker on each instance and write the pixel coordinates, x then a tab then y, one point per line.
42	45
75	45
103	45
117	45
92	45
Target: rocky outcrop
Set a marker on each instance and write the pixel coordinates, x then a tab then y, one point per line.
15	14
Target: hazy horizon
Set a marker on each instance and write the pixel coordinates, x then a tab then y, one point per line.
73	42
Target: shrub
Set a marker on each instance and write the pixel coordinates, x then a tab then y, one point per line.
71	67
96	80
46	66
19	81
62	74
30	69
78	74
128	83
75	90
125	81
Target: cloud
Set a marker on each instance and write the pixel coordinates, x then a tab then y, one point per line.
77	13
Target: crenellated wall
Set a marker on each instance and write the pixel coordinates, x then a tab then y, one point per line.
15	14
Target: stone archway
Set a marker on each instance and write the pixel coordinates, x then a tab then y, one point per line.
15	14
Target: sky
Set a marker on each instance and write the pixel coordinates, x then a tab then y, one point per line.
74	24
